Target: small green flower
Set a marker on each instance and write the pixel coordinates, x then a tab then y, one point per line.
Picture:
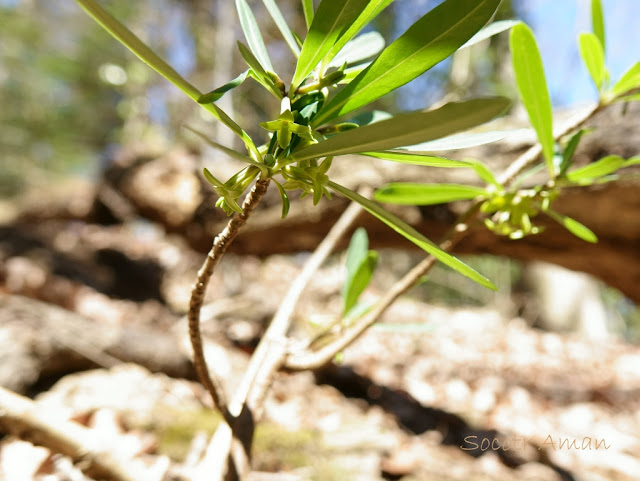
285	126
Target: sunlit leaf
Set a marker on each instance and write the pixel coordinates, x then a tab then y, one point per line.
282	25
484	172
332	17
230	152
426	194
532	86
413	235
253	35
371	11
408	129
602	167
490	30
632	161
593	57
629	81
463	140
597	22
286	204
257	72
359	49
417	159
428	41
144	53
366	118
569	150
307	9
360	266
576	228
216	94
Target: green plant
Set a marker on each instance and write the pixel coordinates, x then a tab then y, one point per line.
316	125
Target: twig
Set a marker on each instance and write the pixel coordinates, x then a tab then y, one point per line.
30	421
220	245
268	358
305	360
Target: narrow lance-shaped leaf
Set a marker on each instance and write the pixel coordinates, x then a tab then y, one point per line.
329	22
597	22
216	94
282	25
286	203
602	167
360	265
148	56
257	72
407	193
368	14
484	173
532	86
569	150
430	40
359	49
576	228
490	30
408	129
230	152
253	35
360	281
593	57
463	140
629	81
417	159
413	235
307	9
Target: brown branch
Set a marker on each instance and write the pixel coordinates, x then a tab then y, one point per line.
220	245
266	361
32	422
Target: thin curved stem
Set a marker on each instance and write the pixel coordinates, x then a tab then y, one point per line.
220	245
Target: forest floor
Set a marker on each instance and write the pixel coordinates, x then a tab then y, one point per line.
92	328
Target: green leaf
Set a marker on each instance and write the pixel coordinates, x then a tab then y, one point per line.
463	140
597	22
282	25
573	226
329	22
413	235
144	53
629	81
307	8
408	129
366	118
257	72
230	152
428	41
417	159
602	167
361	262
484	172
426	194
252	34
216	94
569	150
490	30
359	49
371	11
632	161
593	57
286	204
532	86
